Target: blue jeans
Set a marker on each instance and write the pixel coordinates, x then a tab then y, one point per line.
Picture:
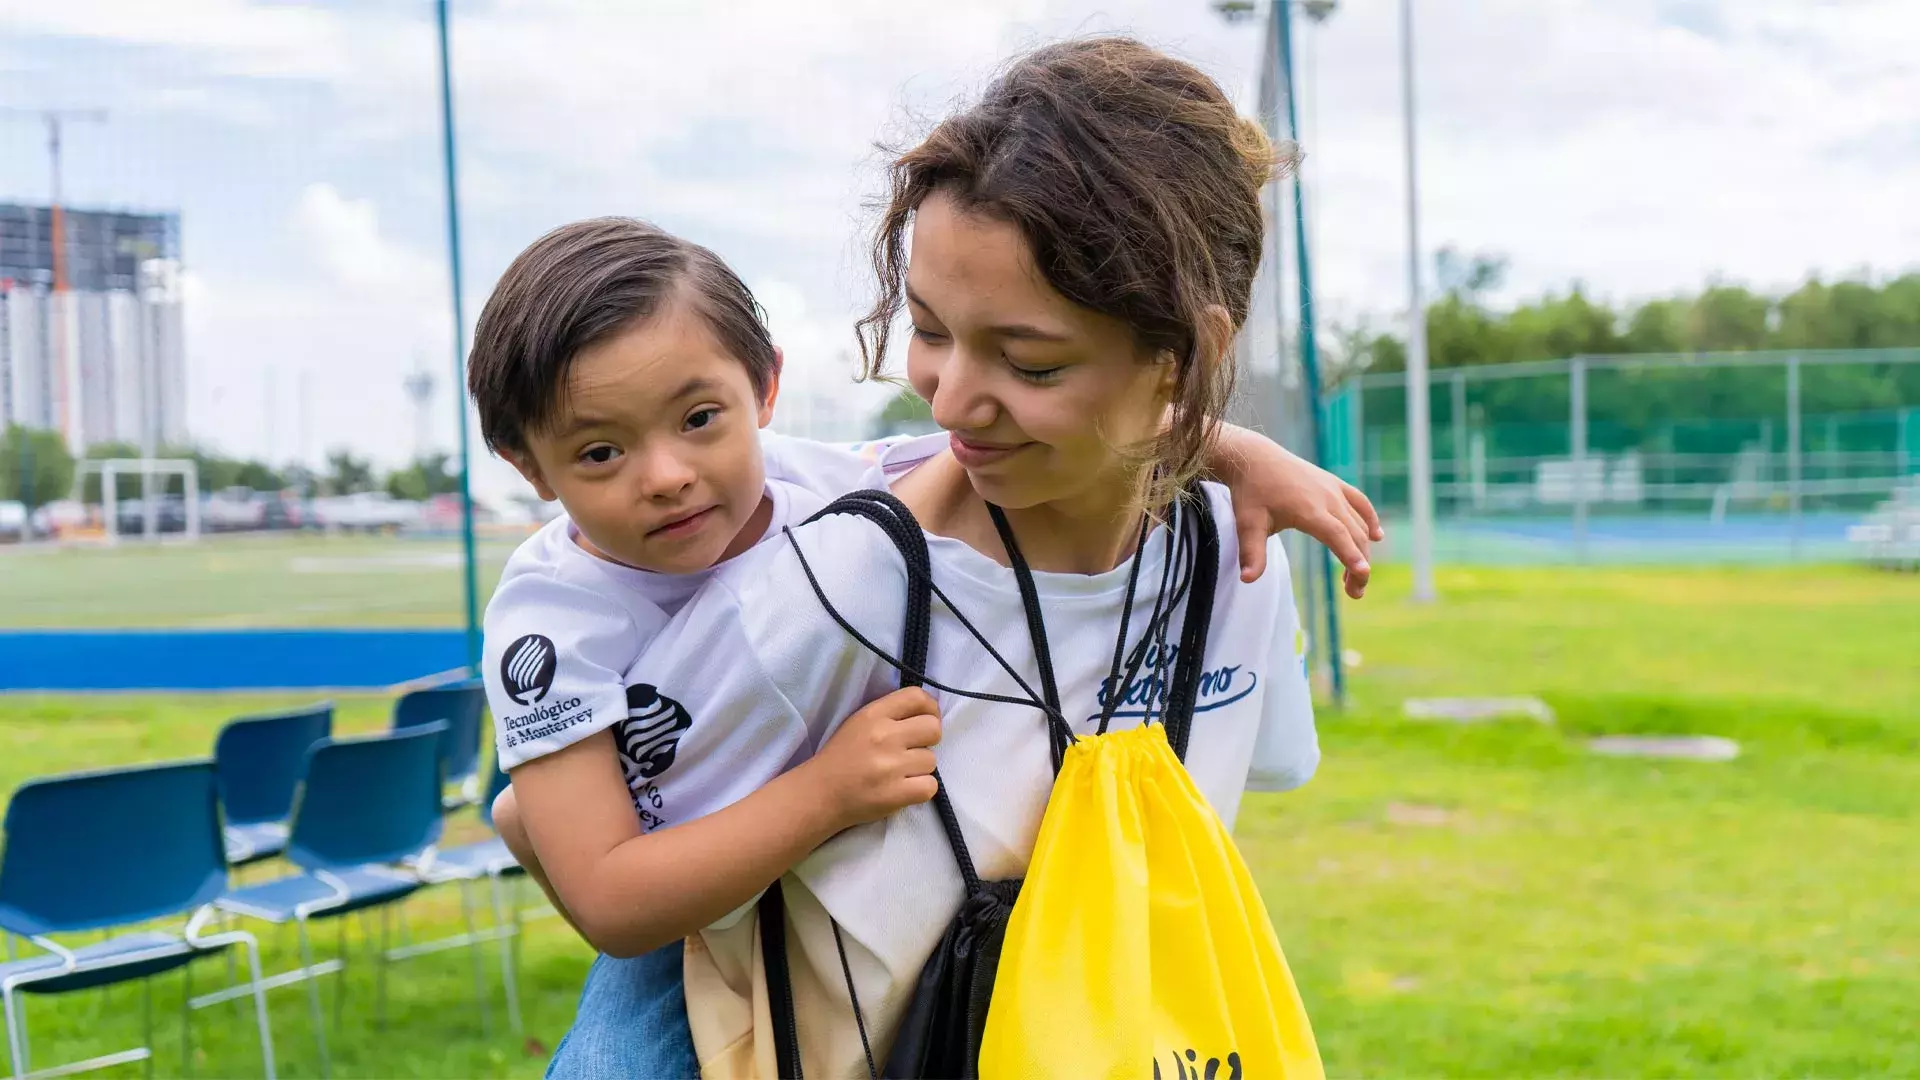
632	1023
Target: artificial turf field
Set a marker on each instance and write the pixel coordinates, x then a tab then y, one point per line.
1489	900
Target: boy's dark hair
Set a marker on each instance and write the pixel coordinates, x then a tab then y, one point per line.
1136	186
580	284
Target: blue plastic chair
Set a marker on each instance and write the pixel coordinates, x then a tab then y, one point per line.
110	850
363	804
460	706
258	761
489	859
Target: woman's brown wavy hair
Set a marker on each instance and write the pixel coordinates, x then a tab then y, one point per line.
1137	187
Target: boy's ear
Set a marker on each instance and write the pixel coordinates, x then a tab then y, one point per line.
773	387
523	463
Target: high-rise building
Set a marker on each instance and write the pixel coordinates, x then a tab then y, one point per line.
105	360
105	249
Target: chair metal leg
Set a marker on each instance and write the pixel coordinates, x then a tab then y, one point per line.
380	969
506	955
260	1006
233	972
16	1032
313	997
24	1041
513	901
479	962
146	1021
186	1015
340	981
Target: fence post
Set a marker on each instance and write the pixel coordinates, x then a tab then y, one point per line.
1577	376
1903	442
1360	434
1459	441
1793	455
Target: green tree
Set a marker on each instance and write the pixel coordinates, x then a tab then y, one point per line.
347	474
1728	318
1659	326
127	486
259	476
35	467
425	478
907	413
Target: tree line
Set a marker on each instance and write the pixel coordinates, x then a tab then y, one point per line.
1464	329
36	468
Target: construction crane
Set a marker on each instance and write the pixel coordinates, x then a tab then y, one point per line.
55	119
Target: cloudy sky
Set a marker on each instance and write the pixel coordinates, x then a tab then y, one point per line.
1637	146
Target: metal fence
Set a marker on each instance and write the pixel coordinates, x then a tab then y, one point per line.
1719	457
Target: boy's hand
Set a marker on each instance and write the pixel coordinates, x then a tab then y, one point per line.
1274	490
881	758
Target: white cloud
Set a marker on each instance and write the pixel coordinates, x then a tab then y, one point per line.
1637	145
344	238
232	37
1607	142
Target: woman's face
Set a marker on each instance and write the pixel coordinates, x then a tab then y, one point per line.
1039	394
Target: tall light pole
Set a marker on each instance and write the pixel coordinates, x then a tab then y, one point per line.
472	580
1419	413
1280	13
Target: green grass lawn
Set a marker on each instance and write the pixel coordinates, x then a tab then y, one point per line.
1494	901
239	581
1456	901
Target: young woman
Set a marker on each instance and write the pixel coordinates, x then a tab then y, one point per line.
1082	248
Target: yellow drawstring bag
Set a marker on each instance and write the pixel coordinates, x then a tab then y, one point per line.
1139	946
1136	945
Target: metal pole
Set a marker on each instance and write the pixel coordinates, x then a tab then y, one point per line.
57	304
1577	376
1282	430
1459	442
1419	414
1793	455
1309	348
471	576
1903	452
27	493
1360	432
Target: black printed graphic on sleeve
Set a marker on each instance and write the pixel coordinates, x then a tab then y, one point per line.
650	734
526	670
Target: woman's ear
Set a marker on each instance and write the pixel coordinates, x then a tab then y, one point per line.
1212	338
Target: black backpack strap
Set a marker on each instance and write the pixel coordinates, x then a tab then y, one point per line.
773	955
900	526
1184	691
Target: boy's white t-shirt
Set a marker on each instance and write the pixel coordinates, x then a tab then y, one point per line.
563	626
759	675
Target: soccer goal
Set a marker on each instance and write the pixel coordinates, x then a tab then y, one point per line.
155	515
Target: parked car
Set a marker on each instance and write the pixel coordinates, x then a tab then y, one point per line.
289	510
13	520
62	516
169	515
366	511
233	509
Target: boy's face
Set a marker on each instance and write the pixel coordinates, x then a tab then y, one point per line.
654	450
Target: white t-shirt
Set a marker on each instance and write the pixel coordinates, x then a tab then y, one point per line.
563	625
762	676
